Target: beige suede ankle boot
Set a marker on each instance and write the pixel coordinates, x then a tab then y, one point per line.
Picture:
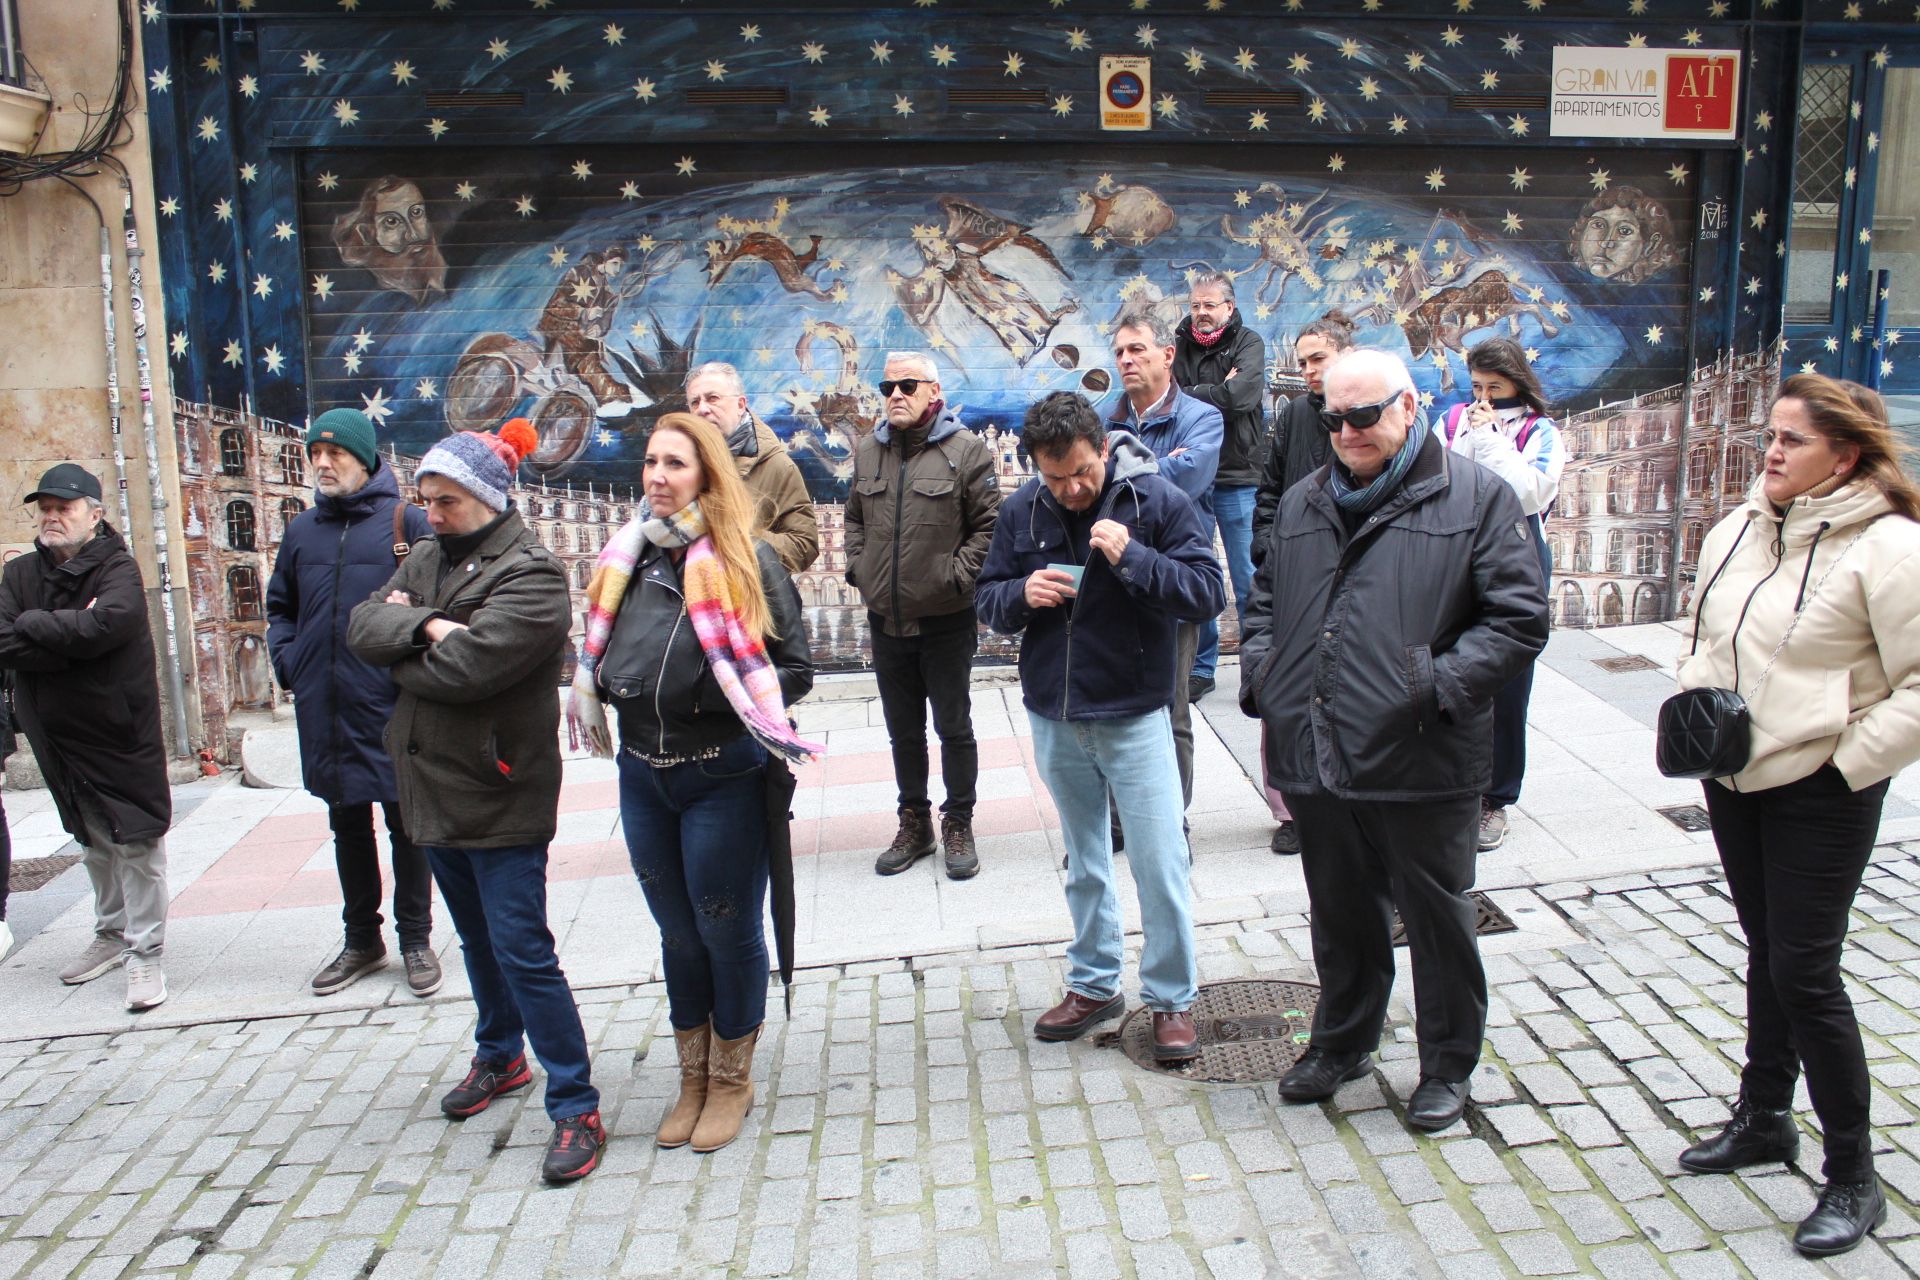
677	1127
729	1092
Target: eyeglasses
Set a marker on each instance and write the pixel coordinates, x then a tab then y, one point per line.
1764	439
1360	417
907	386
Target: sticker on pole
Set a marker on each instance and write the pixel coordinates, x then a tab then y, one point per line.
1644	93
1126	92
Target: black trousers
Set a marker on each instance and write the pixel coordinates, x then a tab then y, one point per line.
1794	856
6	858
933	668
357	858
1510	705
1361	859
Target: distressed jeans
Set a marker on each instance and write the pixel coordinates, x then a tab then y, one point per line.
1081	761
697	835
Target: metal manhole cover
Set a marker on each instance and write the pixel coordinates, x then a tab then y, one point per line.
30	873
1487	919
1254	1029
1687	817
1625	663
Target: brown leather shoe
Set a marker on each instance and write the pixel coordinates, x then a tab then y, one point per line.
1070	1019
1175	1038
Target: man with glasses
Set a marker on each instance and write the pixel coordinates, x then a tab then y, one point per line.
782	510
1408	595
919	516
1220	361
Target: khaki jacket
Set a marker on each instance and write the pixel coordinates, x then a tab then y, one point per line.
783	512
1847	686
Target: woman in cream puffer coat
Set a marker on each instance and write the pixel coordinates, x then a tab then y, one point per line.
1829	532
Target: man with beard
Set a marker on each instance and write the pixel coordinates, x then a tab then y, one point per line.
388	234
783	511
1220	361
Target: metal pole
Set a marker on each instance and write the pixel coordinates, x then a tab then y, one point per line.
1876	350
113	379
156	489
10	43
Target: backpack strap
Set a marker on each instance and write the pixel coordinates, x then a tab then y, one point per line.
1453	420
1525	432
400	544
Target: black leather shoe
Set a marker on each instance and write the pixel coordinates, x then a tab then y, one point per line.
1199	687
1436	1103
1286	839
1846	1212
1754	1135
1320	1072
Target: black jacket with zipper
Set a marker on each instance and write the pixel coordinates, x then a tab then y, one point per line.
1202	372
1372	653
657	676
1300	446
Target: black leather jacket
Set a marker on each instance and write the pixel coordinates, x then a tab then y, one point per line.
668	704
1299	447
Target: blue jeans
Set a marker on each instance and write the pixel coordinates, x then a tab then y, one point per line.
1080	760
1233	508
697	835
498	901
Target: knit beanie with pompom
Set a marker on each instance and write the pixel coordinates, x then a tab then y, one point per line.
482	462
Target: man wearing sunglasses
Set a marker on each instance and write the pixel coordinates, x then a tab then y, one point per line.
1402	592
919	516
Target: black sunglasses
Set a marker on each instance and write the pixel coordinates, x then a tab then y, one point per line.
1360	417
907	385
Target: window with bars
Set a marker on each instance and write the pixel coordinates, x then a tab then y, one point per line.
240	526
243	594
233	452
293	464
1820	185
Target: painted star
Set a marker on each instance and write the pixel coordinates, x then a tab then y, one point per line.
1636	41
561	80
1369	88
362	339
249	173
1511	44
233	354
1336	163
750	32
1245	60
1195	61
1299	64
1850	176
402	72
465	191
644	89
1078	40
1398	124
684	166
161	80
1873	140
1840	281
1718	9
1882	58
1063	105
524	206
151	10
716	69
223	210
637	330
169	206
322	287
346	113
1436	179
1706	294
426	389
1489	79
327	181
208	129
1350	48
1690	37
1518	126
556	256
1511	223
1759	219
443	4
1317	111
1866	235
1599	179
902	105
629	190
249	87
1678	173
1560	309
1168	106
882	52
498	50
272	358
438	128
819	117
942	55
312	63
1257	121
351	361
375	406
283	231
581	170
613	33
1519	178
1831	343
178	344
1451	37
1654	334
1012	64
1752	286
1146	36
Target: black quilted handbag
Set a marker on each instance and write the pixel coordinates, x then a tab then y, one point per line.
1703	733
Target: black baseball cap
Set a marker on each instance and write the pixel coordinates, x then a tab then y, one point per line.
67	481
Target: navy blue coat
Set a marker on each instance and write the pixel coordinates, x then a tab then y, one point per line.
333	557
1109	653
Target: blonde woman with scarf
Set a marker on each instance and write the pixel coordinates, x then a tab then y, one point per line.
694	636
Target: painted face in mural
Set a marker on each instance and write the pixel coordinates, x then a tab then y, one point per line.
389	234
712	397
67	524
1314	353
1210	308
1144	365
906	410
451	510
1799	458
1075	477
336	472
1365	451
671	474
1611	242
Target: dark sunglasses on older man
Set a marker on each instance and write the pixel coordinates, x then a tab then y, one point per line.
1360	417
907	386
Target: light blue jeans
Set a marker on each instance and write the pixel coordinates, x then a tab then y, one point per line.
1233	508
1080	760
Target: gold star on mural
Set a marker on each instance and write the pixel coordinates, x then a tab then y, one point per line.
1489	79
613	33
465	190
942	55
233	354
1257	121
1146	36
1077	40
629	190
556	256
346	113
283	230
178	344
1245	60
1518	126
820	117
498	50
402	72
1350	48
327	181
272	358
716	69
437	127
322	287
1397	125
208	129
644	89
582	170
1336	163
1599	179
1013	64
426	389
1063	105
1317	111
882	52
750	32
524	206
1369	88
1519	178
1451	37
1511	223
1436	179
1195	60
312	63
1168	106
561	80
684	166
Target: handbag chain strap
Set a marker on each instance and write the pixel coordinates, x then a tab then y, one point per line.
1804	606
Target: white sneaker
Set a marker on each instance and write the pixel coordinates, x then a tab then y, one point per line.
6	939
146	984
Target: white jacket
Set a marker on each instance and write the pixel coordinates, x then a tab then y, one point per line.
1847	685
1533	472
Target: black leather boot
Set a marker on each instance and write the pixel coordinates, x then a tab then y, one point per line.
1753	1135
1846	1212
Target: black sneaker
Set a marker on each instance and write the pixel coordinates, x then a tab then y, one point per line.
574	1150
352	964
1286	839
1199	687
485	1081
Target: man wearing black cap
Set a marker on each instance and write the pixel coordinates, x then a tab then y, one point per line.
76	645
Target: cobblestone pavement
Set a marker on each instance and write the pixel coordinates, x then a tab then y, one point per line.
909	1127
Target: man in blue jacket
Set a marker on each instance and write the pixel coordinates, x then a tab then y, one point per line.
1185	435
1094	563
332	557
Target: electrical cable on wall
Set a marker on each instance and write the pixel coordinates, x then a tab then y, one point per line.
106	129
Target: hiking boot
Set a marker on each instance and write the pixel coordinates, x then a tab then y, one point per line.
911	843
102	954
1286	838
146	984
1493	826
485	1081
956	833
574	1150
423	970
352	964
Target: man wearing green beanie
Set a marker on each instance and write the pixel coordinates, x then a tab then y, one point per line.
347	429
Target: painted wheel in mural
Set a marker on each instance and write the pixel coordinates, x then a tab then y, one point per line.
484	388
565	421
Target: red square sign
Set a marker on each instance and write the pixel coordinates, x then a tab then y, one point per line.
1700	91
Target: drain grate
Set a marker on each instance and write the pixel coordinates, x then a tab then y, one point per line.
1487	919
1625	663
30	873
1687	817
1254	1029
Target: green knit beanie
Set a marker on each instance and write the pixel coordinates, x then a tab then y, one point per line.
349	429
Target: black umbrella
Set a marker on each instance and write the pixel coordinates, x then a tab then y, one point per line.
780	786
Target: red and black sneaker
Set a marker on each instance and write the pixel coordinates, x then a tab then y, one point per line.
574	1150
485	1081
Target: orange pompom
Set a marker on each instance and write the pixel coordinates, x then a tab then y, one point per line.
519	434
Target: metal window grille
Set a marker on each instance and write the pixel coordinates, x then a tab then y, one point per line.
233	452
240	526
1819	177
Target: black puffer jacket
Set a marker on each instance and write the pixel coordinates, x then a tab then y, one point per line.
1300	446
1373	656
1202	372
657	676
